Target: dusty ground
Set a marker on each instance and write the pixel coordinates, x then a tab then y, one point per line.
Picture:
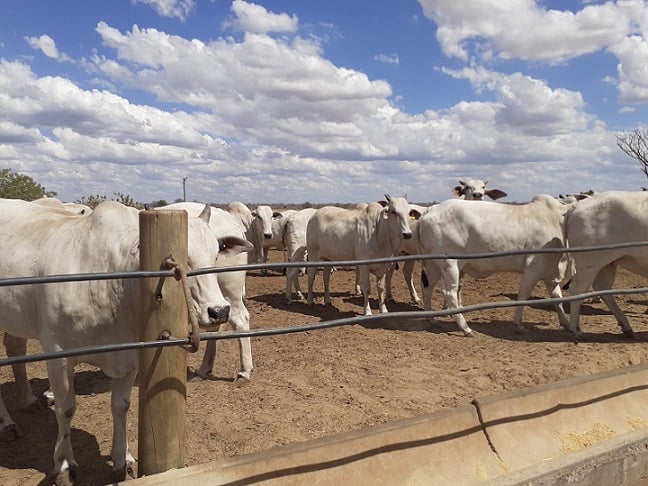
323	382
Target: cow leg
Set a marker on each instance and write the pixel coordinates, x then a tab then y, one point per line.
581	282
408	273
122	459
451	278
429	277
240	321
61	377
357	288
527	284
312	272
555	292
16	346
389	297
326	275
380	286
9	431
604	281
365	286
207	363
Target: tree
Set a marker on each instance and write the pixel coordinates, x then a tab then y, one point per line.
20	186
95	199
635	144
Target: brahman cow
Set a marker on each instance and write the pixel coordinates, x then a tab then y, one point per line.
606	218
276	240
475	189
374	231
295	244
36	241
460	227
259	230
232	285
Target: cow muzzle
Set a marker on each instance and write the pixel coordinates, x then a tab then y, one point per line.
219	315
407	236
267	236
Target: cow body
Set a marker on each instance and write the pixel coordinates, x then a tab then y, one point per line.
37	241
606	218
466	227
232	285
369	232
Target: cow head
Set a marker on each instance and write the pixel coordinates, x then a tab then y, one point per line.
475	189
397	209
262	221
209	304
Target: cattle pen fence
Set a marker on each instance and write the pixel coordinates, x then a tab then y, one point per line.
224	335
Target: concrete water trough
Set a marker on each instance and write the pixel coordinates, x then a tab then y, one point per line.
586	430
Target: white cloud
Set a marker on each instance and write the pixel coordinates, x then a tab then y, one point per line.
47	46
521	29
263	113
171	8
387	58
250	17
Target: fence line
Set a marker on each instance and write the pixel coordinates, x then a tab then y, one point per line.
205	336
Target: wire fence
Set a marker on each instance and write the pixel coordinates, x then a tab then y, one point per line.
222	335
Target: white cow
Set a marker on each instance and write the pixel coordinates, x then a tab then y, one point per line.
460	227
295	244
276	240
259	230
408	247
16	346
606	218
335	233
37	241
475	189
232	284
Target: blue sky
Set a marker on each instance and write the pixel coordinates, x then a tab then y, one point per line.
337	101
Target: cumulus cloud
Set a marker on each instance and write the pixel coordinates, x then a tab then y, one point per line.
250	17
258	114
521	29
171	8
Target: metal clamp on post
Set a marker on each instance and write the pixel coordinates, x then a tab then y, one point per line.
180	274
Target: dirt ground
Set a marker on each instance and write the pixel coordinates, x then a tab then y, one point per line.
317	383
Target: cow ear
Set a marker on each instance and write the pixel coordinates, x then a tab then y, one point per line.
495	194
205	214
414	214
233	245
383	203
277	215
456	190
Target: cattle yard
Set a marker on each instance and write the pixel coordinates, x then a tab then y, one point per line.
314	384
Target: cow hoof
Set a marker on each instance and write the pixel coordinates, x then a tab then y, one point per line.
468	334
240	381
64	478
45	401
10	433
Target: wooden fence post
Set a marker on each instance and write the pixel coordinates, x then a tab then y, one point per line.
162	371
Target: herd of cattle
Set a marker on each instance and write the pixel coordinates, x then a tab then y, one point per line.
47	237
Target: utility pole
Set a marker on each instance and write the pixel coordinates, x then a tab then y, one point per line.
184	189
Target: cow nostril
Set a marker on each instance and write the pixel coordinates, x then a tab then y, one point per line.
407	236
219	314
267	235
